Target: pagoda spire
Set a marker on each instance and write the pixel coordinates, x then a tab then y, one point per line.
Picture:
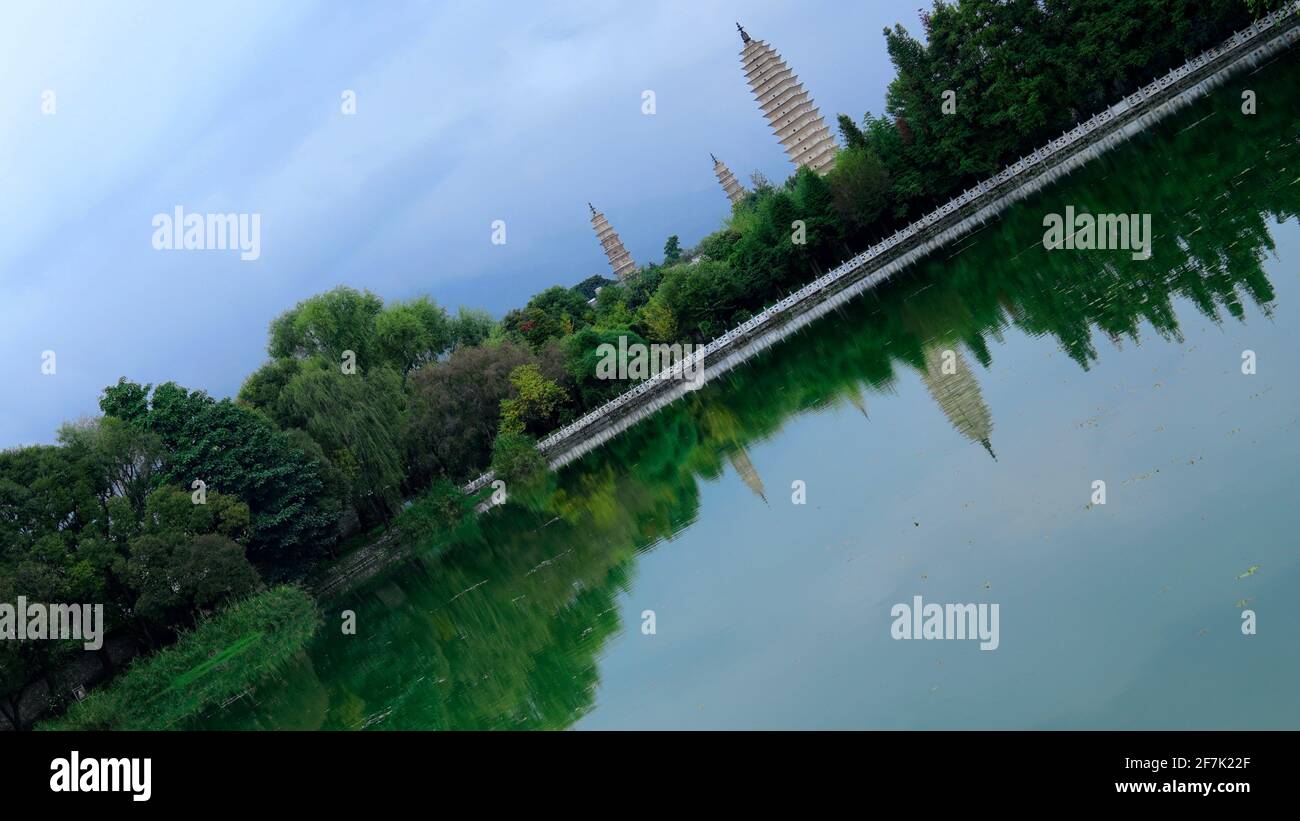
958	395
748	473
858	402
789	108
620	261
735	191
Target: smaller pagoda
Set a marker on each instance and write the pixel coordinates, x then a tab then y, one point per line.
735	191
620	261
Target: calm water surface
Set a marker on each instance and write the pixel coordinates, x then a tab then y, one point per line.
977	486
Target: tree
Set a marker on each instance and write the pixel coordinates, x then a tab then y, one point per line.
533	326
659	321
264	386
26	664
718	245
516	459
588	287
611	308
582	356
554	313
179	577
470	327
455	411
412	333
327	325
534	402
236	450
436	515
641	285
672	251
860	187
851	134
129	460
823	229
356	419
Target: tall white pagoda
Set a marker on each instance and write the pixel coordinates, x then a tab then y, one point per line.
788	106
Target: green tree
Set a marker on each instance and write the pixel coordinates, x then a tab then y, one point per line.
236	450
860	186
413	333
329	324
851	134
582	356
470	327
357	420
435	517
455	411
129	461
516	459
588	287
672	251
534	403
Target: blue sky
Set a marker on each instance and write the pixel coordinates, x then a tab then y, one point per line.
466	113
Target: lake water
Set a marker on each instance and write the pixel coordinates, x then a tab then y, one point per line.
1071	367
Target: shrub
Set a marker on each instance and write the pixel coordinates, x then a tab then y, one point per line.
223	656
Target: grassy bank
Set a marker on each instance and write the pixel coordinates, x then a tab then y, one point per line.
223	656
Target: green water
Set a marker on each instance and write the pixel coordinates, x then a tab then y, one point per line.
1073	366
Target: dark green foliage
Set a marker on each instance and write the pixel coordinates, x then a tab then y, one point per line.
860	188
581	358
718	245
455	410
238	451
672	251
587	288
356	419
852	136
437	516
470	327
552	314
515	458
223	656
641	285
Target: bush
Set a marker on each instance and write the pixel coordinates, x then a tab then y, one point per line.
433	519
516	459
223	656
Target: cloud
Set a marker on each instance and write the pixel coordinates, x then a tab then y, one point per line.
466	113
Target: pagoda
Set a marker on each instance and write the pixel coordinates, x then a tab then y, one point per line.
958	395
735	191
620	261
739	459
789	109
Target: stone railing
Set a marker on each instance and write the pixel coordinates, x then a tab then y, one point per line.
1026	167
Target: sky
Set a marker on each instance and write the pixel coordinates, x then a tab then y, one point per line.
465	113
